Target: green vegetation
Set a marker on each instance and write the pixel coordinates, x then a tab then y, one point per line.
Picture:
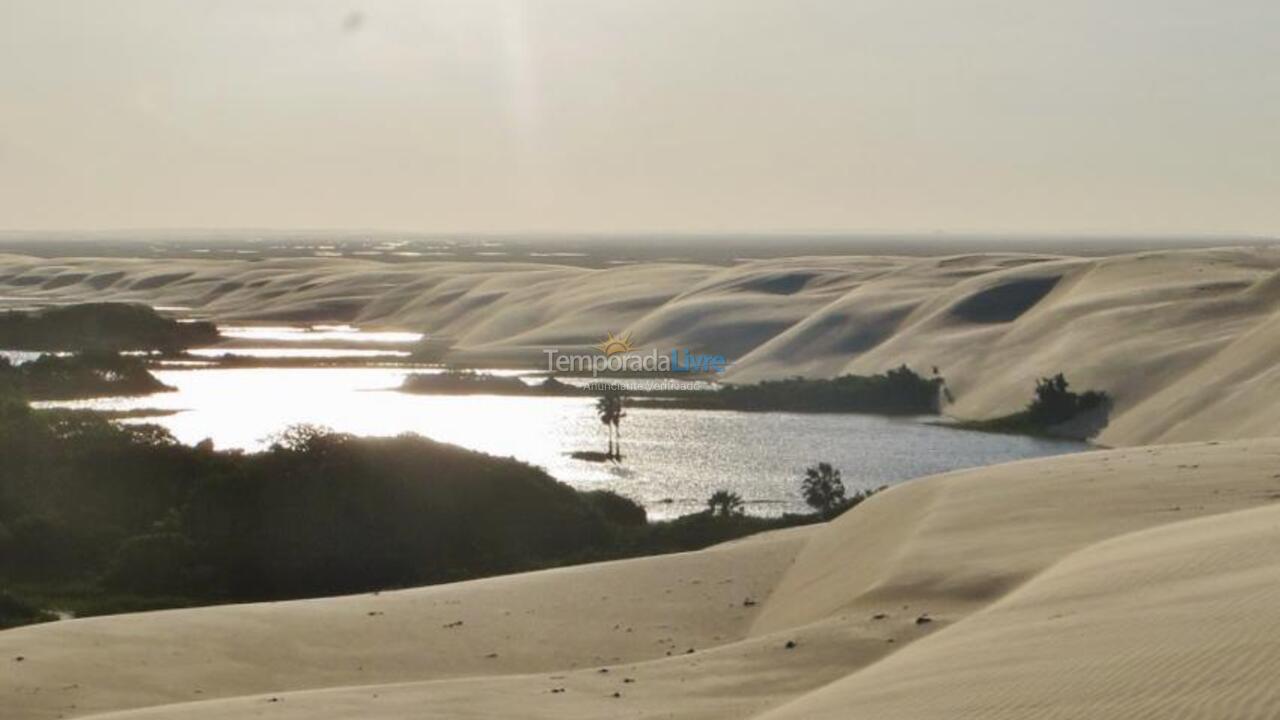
16	611
1054	404
101	327
900	391
464	382
461	381
724	503
97	517
86	375
1054	410
616	509
725	519
699	530
823	488
127	508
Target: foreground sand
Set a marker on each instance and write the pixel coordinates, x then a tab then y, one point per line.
1142	582
1184	340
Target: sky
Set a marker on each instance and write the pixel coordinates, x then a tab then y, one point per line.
626	116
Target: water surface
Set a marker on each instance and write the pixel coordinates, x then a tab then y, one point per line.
674	459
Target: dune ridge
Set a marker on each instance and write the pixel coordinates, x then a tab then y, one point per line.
1126	583
1184	340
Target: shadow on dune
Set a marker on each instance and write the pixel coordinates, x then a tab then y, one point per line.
1006	302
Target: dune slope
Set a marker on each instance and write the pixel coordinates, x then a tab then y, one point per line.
1178	621
1113	584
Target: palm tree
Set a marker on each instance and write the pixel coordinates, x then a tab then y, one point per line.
823	488
723	503
610	410
619	412
604	411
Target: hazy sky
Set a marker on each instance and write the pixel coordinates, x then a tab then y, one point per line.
1129	116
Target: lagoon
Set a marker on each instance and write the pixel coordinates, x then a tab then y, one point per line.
673	459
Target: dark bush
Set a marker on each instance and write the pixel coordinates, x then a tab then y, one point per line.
101	326
1054	410
90	374
42	548
724	503
1055	404
159	563
900	391
333	513
464	382
617	509
700	530
15	611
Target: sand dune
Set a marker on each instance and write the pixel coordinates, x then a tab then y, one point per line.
1129	583
1185	340
1173	622
551	622
1114	584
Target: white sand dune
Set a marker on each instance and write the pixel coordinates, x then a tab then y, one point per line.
1140	582
551	622
1115	584
1185	340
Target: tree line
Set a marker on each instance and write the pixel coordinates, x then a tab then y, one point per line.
100	517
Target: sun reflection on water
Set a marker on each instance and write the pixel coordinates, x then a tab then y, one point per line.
674	459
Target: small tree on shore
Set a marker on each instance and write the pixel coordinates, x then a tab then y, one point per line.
823	488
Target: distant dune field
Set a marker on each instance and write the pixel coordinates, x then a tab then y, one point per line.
1185	340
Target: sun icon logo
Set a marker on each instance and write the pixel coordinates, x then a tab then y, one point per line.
616	344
